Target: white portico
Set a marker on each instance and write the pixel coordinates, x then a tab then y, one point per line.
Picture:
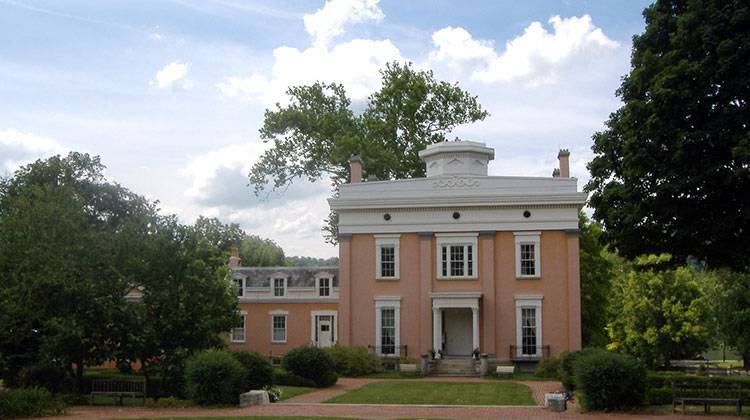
455	331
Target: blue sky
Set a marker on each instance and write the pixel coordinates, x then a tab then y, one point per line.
171	93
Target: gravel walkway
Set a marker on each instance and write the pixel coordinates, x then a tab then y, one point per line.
311	405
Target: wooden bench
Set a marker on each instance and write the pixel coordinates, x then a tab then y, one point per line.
505	370
706	395
118	388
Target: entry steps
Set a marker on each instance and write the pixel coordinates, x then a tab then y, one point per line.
455	367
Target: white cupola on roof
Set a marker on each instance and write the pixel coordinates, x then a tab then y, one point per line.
451	158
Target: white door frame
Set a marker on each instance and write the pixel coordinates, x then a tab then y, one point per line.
334	325
442	301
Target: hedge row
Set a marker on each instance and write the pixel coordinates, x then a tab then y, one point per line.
29	402
659	385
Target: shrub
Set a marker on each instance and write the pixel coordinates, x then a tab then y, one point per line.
29	402
282	377
258	367
214	377
548	367
567	366
609	380
311	363
353	361
52	378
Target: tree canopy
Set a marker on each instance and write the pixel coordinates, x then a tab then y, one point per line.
597	270
671	171
316	134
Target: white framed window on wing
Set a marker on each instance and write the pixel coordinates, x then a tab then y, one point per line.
387	261
278	328
528	259
324	287
529	344
237	334
279	286
240	283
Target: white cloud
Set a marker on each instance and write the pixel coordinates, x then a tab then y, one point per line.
355	64
171	74
18	148
533	56
329	22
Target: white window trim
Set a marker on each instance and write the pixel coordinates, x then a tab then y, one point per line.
324	275
273	286
528	302
387	240
334	314
285	314
388	302
244	329
529	238
243	281
448	239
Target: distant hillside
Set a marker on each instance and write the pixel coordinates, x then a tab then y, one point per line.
312	262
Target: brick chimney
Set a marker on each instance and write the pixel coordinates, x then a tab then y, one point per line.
564	158
234	257
355	165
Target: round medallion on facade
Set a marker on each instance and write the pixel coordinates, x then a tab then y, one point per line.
456	215
527	214
387	217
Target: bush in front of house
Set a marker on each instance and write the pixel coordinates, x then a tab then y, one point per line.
567	366
29	402
214	377
548	367
50	377
608	381
353	360
311	363
282	377
259	370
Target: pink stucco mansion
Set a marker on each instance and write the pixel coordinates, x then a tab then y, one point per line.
452	264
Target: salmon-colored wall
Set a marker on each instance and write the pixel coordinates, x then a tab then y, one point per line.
558	284
258	325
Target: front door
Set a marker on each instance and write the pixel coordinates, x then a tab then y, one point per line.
325	331
457	326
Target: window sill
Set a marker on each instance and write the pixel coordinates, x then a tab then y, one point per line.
278	342
458	278
528	277
387	278
236	342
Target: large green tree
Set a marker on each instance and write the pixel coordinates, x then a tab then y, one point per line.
730	300
260	252
597	271
671	171
60	282
316	134
659	314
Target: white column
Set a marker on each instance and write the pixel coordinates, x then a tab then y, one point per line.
437	331
475	329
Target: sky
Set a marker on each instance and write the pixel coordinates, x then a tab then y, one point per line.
171	94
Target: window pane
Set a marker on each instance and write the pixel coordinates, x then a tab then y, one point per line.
457	260
470	260
238	332
387	261
278	287
528	263
528	331
325	287
279	328
240	289
387	331
444	260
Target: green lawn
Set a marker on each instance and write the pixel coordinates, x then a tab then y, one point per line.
394	374
444	393
292	391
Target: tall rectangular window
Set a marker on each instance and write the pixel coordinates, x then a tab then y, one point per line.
387	261
324	287
386	252
528	332
278	328
279	287
387	331
237	335
528	260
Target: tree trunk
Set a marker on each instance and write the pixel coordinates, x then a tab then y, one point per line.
79	376
746	360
